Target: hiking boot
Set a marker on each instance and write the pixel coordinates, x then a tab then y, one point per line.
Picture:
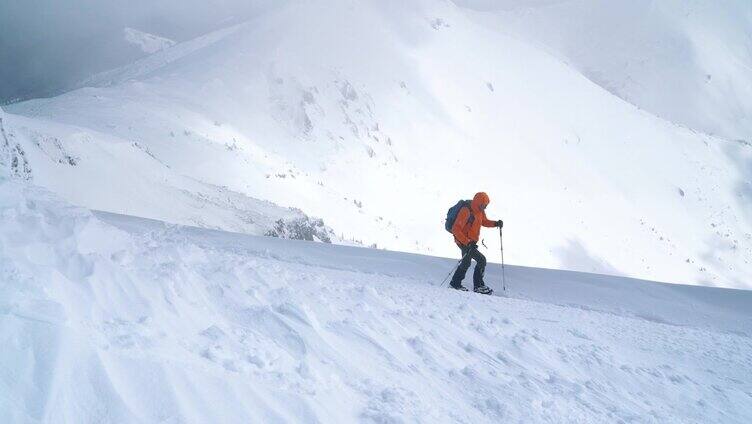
459	287
483	289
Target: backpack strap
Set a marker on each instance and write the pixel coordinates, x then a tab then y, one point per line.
471	217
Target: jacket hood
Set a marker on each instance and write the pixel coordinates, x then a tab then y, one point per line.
479	199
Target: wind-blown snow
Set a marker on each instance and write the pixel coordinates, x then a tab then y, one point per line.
148	43
109	318
377	116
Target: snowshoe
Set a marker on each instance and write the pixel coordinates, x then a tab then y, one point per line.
458	287
483	289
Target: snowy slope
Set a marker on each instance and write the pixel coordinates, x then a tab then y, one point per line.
124	175
110	318
377	116
686	61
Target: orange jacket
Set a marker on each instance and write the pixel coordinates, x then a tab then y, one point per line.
466	227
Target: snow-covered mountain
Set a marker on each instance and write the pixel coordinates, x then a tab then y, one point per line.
686	61
48	46
135	286
114	319
378	115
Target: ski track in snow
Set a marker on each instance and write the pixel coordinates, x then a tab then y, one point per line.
109	318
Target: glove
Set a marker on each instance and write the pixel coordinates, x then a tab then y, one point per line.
499	223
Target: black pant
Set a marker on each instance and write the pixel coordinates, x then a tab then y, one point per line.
480	267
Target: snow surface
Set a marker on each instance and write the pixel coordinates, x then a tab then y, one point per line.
377	116
148	43
111	318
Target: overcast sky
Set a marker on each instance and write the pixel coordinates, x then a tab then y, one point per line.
49	45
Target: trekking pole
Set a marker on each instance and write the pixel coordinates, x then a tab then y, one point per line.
503	277
454	269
